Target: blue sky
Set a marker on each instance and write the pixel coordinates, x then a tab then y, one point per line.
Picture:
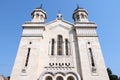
105	13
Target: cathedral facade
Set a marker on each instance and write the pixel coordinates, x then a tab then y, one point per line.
59	50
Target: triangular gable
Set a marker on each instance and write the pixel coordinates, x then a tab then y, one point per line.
60	23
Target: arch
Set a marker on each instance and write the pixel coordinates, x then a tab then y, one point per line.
50	73
76	76
60	73
70	78
48	78
59	78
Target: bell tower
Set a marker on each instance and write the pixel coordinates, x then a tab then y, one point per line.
91	59
27	59
80	15
38	15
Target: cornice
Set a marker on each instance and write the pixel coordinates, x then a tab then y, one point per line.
85	25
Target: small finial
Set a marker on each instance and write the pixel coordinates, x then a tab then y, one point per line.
59	15
59	11
41	6
78	6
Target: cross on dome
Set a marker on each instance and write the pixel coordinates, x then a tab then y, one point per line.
59	16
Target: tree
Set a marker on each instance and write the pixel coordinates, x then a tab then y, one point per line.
8	77
111	75
119	78
109	71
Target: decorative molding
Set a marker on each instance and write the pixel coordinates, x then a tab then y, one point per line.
88	32
64	21
85	36
33	27
60	25
34	23
32	35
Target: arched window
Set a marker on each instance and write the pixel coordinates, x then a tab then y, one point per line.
66	46
70	78
91	56
48	78
82	16
27	58
52	47
59	44
37	16
41	16
59	78
78	18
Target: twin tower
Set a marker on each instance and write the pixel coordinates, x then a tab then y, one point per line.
59	50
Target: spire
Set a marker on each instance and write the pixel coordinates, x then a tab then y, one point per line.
78	7
41	7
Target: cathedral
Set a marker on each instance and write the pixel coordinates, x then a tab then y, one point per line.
59	50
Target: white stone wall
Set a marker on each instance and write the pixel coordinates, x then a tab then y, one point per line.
101	72
19	65
1	77
76	64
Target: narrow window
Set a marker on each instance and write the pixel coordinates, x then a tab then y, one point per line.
78	17
37	16
27	59
52	47
59	45
41	16
91	56
66	46
82	16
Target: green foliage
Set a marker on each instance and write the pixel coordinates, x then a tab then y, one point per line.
119	78
8	77
109	71
111	75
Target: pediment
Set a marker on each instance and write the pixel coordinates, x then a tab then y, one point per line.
59	23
